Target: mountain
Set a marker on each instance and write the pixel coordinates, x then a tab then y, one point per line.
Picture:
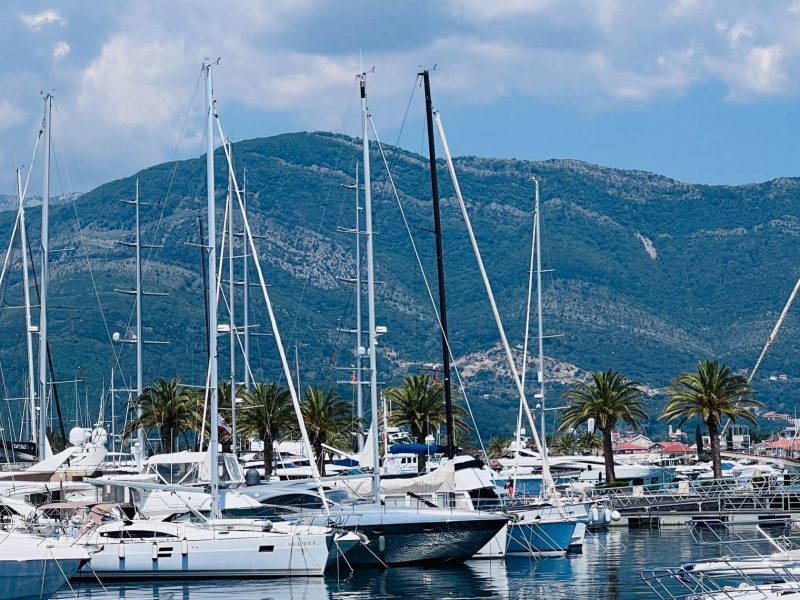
649	274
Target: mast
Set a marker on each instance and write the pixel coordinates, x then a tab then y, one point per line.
112	392
23	241
139	341
448	400
373	338
45	243
540	370
232	320
359	391
547	477
531	267
213	441
246	298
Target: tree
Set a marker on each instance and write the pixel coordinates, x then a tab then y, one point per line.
419	404
169	407
266	413
590	442
566	443
711	393
464	441
609	398
329	420
497	447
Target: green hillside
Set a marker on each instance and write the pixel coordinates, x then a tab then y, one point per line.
649	274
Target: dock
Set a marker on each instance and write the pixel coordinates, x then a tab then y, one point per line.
723	500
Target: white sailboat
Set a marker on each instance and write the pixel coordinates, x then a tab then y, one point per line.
36	567
144	549
217	547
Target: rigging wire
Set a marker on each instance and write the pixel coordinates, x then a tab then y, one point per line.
95	291
461	386
339	338
163	203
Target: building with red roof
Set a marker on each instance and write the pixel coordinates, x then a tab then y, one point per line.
671	448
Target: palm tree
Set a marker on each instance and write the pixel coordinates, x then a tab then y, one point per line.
169	407
566	443
329	420
608	399
497	447
266	413
710	393
590	442
464	442
419	404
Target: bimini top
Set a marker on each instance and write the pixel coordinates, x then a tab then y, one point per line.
192	468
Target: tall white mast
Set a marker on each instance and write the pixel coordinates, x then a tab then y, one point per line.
231	304
373	338
213	441
23	242
139	340
246	297
44	271
540	370
359	391
524	370
547	477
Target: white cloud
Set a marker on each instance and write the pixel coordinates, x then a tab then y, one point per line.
129	82
10	115
38	20
60	50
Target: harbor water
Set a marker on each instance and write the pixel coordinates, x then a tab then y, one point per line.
609	567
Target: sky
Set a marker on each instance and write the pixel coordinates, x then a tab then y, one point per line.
704	91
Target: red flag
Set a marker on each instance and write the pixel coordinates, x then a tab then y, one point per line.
435	378
354	378
223	426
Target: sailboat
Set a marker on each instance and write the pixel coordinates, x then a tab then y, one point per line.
36	567
215	547
86	450
397	534
530	531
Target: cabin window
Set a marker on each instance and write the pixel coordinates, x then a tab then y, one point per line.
174	472
130	534
484	498
294	501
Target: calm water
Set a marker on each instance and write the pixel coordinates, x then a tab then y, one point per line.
609	567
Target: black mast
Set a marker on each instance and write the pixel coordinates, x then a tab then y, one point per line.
448	400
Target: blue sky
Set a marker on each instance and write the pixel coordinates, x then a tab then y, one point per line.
699	90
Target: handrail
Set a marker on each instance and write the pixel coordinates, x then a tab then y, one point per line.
697	491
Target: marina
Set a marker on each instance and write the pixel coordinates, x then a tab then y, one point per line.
241	362
609	567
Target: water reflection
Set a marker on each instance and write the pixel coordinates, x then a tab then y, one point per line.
263	589
609	567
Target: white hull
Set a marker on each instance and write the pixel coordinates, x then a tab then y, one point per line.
33	567
184	551
496	547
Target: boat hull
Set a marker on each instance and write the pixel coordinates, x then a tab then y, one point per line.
246	557
426	537
542	538
27	579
